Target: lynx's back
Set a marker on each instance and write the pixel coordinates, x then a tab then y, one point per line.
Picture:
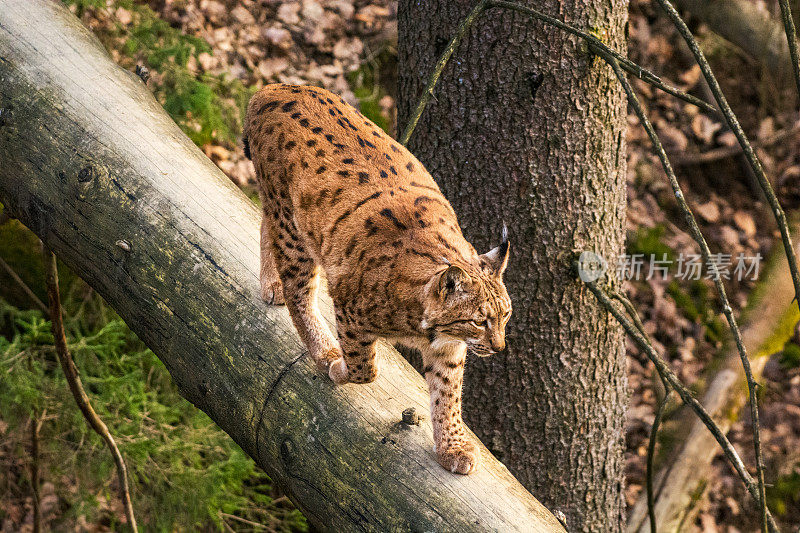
341	196
355	192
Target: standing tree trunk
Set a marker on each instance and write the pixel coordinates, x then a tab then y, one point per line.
527	127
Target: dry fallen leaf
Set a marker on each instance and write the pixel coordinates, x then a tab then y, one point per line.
704	128
709	212
242	15
744	221
690	77
288	13
269	68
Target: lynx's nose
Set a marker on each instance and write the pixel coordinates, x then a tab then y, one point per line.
498	345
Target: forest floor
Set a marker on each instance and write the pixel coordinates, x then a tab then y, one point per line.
348	46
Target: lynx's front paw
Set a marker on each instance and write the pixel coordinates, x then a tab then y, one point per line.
459	458
326	360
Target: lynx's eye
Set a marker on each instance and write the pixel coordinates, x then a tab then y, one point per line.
479	323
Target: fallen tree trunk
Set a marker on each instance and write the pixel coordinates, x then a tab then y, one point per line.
753	30
91	163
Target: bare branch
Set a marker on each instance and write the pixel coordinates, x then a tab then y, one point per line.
685	395
24	286
791	38
736	128
75	384
717	154
706	254
598	47
437	70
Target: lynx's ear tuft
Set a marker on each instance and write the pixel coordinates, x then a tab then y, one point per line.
452	281
497	258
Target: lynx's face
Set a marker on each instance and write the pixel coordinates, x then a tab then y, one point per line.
470	305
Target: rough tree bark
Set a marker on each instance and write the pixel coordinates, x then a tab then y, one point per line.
526	126
91	163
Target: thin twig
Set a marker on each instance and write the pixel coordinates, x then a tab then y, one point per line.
437	70
651	506
651	451
75	384
630	309
685	395
736	128
780	217
36	425
791	37
243	520
651	446
706	254
27	290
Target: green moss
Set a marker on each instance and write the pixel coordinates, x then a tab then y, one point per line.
769	266
668	438
208	108
697	305
367	86
695	497
648	241
781	333
19	248
184	470
790	356
784	492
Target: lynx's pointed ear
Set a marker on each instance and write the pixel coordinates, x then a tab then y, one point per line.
497	258
452	281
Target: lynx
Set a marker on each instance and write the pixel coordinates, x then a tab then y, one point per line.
341	197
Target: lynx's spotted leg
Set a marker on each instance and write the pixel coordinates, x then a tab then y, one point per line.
300	278
271	287
359	363
300	287
444	372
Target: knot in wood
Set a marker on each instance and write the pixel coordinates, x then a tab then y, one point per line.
143	73
287	451
5	116
86	174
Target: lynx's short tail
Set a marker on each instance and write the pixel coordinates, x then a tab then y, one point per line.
246	144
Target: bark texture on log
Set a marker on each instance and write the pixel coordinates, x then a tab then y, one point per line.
91	163
526	126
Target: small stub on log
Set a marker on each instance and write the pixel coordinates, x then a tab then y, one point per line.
411	417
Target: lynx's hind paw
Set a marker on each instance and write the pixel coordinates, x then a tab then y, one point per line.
272	293
338	371
327	360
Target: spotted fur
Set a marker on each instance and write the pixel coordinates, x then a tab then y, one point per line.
341	197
